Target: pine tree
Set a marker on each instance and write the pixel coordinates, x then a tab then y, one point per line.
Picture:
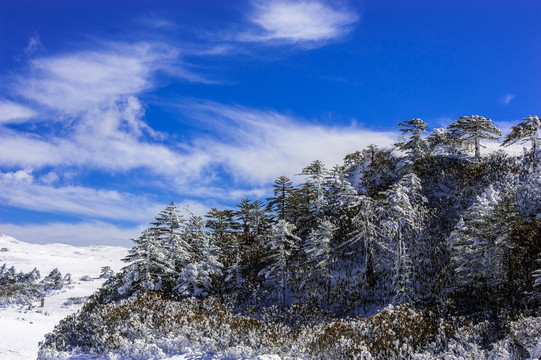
150	266
223	226
10	274
203	267
280	203
404	226
33	276
365	240
255	222
528	130
317	174
244	216
471	129
302	211
468	241
106	272
167	226
503	222
371	171
282	243
252	219
415	145
441	142
52	281
481	247
319	257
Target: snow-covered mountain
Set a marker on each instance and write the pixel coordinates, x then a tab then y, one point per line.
23	326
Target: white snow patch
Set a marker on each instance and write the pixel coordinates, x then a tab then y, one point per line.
22	327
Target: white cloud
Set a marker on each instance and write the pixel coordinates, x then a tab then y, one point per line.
11	112
258	146
49	178
77	82
20	189
251	146
298	21
113	139
93	94
23	176
77	234
507	98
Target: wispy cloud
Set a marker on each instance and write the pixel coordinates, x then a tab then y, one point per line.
298	22
104	139
507	98
11	112
85	80
257	146
22	190
94	96
34	45
90	117
156	22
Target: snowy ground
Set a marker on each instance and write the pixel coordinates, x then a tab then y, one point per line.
22	328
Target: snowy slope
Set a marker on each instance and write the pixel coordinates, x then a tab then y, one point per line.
20	328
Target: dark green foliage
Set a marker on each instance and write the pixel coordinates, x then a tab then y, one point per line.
280	202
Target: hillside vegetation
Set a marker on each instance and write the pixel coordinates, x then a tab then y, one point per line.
427	250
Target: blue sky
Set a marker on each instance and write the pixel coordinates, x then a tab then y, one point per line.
109	110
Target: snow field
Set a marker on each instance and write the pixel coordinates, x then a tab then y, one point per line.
23	327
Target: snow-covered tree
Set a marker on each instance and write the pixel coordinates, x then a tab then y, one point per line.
33	275
54	280
167	226
253	220
528	130
468	241
317	173
224	228
319	257
411	140
8	273
470	130
371	170
482	244
282	243
404	226
365	236
106	272
222	224
441	142
150	265
203	266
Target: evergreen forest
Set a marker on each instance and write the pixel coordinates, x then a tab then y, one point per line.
429	249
